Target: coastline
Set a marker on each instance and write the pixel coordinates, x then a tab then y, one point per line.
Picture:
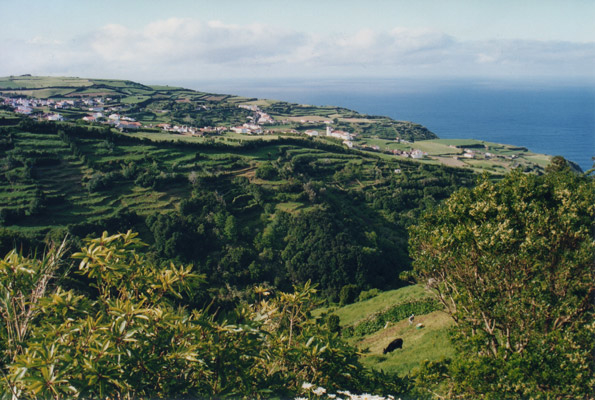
550	117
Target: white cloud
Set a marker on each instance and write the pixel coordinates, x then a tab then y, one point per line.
43	41
189	48
483	58
188	41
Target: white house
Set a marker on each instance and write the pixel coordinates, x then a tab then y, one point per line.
311	132
24	110
338	134
264	118
55	117
251	107
417	154
253	128
240	129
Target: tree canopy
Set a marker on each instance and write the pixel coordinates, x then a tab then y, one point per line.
513	263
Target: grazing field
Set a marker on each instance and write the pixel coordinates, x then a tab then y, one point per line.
487	157
135	99
354	313
429	342
36	82
315	118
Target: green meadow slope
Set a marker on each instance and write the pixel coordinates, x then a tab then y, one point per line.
420	343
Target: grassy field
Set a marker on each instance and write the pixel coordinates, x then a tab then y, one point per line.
44	87
428	343
187	107
69	179
45	168
36	82
450	152
353	313
134	99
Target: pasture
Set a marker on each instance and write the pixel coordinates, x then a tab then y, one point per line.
419	344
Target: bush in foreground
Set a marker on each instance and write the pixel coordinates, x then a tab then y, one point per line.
513	263
137	338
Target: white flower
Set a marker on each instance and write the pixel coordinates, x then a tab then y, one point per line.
307	386
319	391
331	396
300	398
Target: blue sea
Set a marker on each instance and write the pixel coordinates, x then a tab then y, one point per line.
556	118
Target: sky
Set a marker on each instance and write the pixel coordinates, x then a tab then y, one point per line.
159	41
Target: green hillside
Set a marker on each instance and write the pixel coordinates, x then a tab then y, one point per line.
197	116
153	105
237	210
244	222
429	342
237	186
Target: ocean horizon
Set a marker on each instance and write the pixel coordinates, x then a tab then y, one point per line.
550	117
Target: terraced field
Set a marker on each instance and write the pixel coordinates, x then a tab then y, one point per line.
82	177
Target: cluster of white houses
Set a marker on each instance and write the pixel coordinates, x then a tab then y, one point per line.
247	128
27	106
414	153
191	130
259	116
38	107
98	113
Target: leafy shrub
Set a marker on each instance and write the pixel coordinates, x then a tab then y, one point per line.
512	261
333	323
100	181
266	171
347	294
368	294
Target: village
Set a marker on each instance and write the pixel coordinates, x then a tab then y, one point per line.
102	112
108	111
